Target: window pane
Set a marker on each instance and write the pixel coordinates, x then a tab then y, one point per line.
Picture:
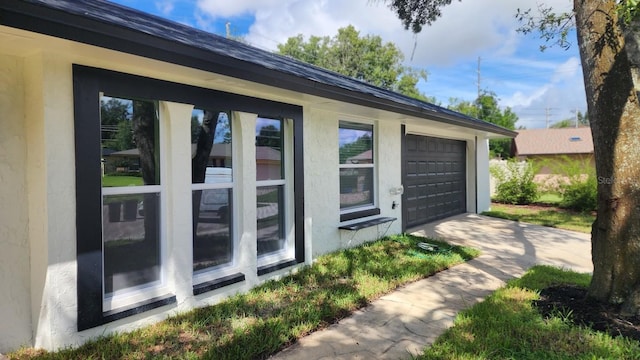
356	187
211	164
269	149
212	240
210	145
131	240
270	213
130	142
356	143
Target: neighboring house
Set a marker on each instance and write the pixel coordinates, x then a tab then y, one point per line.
220	156
79	260
550	148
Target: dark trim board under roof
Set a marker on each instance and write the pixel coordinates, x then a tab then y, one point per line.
112	26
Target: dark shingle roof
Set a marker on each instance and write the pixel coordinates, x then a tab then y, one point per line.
113	26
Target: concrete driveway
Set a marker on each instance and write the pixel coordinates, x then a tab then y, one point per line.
402	323
513	246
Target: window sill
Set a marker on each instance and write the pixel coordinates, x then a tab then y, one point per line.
121	313
217	283
263	270
367	223
359	214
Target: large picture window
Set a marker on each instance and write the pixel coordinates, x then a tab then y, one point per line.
270	182
132	194
356	166
129	172
212	191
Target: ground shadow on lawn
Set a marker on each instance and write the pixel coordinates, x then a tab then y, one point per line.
572	300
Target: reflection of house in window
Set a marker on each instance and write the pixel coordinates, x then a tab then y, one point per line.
268	160
362	158
355	184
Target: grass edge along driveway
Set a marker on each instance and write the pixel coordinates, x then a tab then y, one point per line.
545	216
276	313
507	326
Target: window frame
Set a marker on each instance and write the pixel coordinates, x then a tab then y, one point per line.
88	83
204	277
125	298
369	209
287	181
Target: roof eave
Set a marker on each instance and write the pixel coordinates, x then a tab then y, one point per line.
75	27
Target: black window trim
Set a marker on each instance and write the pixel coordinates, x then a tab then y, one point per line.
362	211
88	83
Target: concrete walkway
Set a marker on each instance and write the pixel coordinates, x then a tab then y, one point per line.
402	323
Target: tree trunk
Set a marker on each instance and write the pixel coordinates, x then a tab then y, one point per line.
144	129
609	64
200	160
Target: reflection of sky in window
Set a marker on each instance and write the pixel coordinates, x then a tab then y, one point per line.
262	122
105	99
351	135
222	128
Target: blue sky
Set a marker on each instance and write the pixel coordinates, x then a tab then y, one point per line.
537	86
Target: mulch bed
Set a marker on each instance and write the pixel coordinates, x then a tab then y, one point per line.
587	312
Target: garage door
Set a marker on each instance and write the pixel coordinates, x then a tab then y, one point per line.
434	179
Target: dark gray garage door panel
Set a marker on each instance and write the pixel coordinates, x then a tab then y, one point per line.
434	179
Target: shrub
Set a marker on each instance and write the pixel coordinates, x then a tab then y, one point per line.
581	195
579	188
514	182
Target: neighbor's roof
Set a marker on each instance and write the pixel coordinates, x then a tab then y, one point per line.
120	28
554	141
217	151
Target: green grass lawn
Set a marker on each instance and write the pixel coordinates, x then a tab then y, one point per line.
273	315
550	199
553	217
507	326
110	181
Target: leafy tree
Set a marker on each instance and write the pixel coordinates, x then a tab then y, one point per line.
566	123
486	108
608	33
269	136
582	120
113	113
355	148
124	136
365	58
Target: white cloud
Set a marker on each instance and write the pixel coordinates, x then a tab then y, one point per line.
165	7
512	66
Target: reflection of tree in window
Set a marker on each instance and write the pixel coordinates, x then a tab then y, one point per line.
207	133
116	132
269	136
353	149
145	134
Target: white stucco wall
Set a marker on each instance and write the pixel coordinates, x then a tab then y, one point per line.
484	191
15	312
37	170
51	189
322	181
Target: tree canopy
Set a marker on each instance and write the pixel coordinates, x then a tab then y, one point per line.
579	120
486	108
608	34
365	58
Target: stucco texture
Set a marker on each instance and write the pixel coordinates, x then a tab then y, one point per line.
14	257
